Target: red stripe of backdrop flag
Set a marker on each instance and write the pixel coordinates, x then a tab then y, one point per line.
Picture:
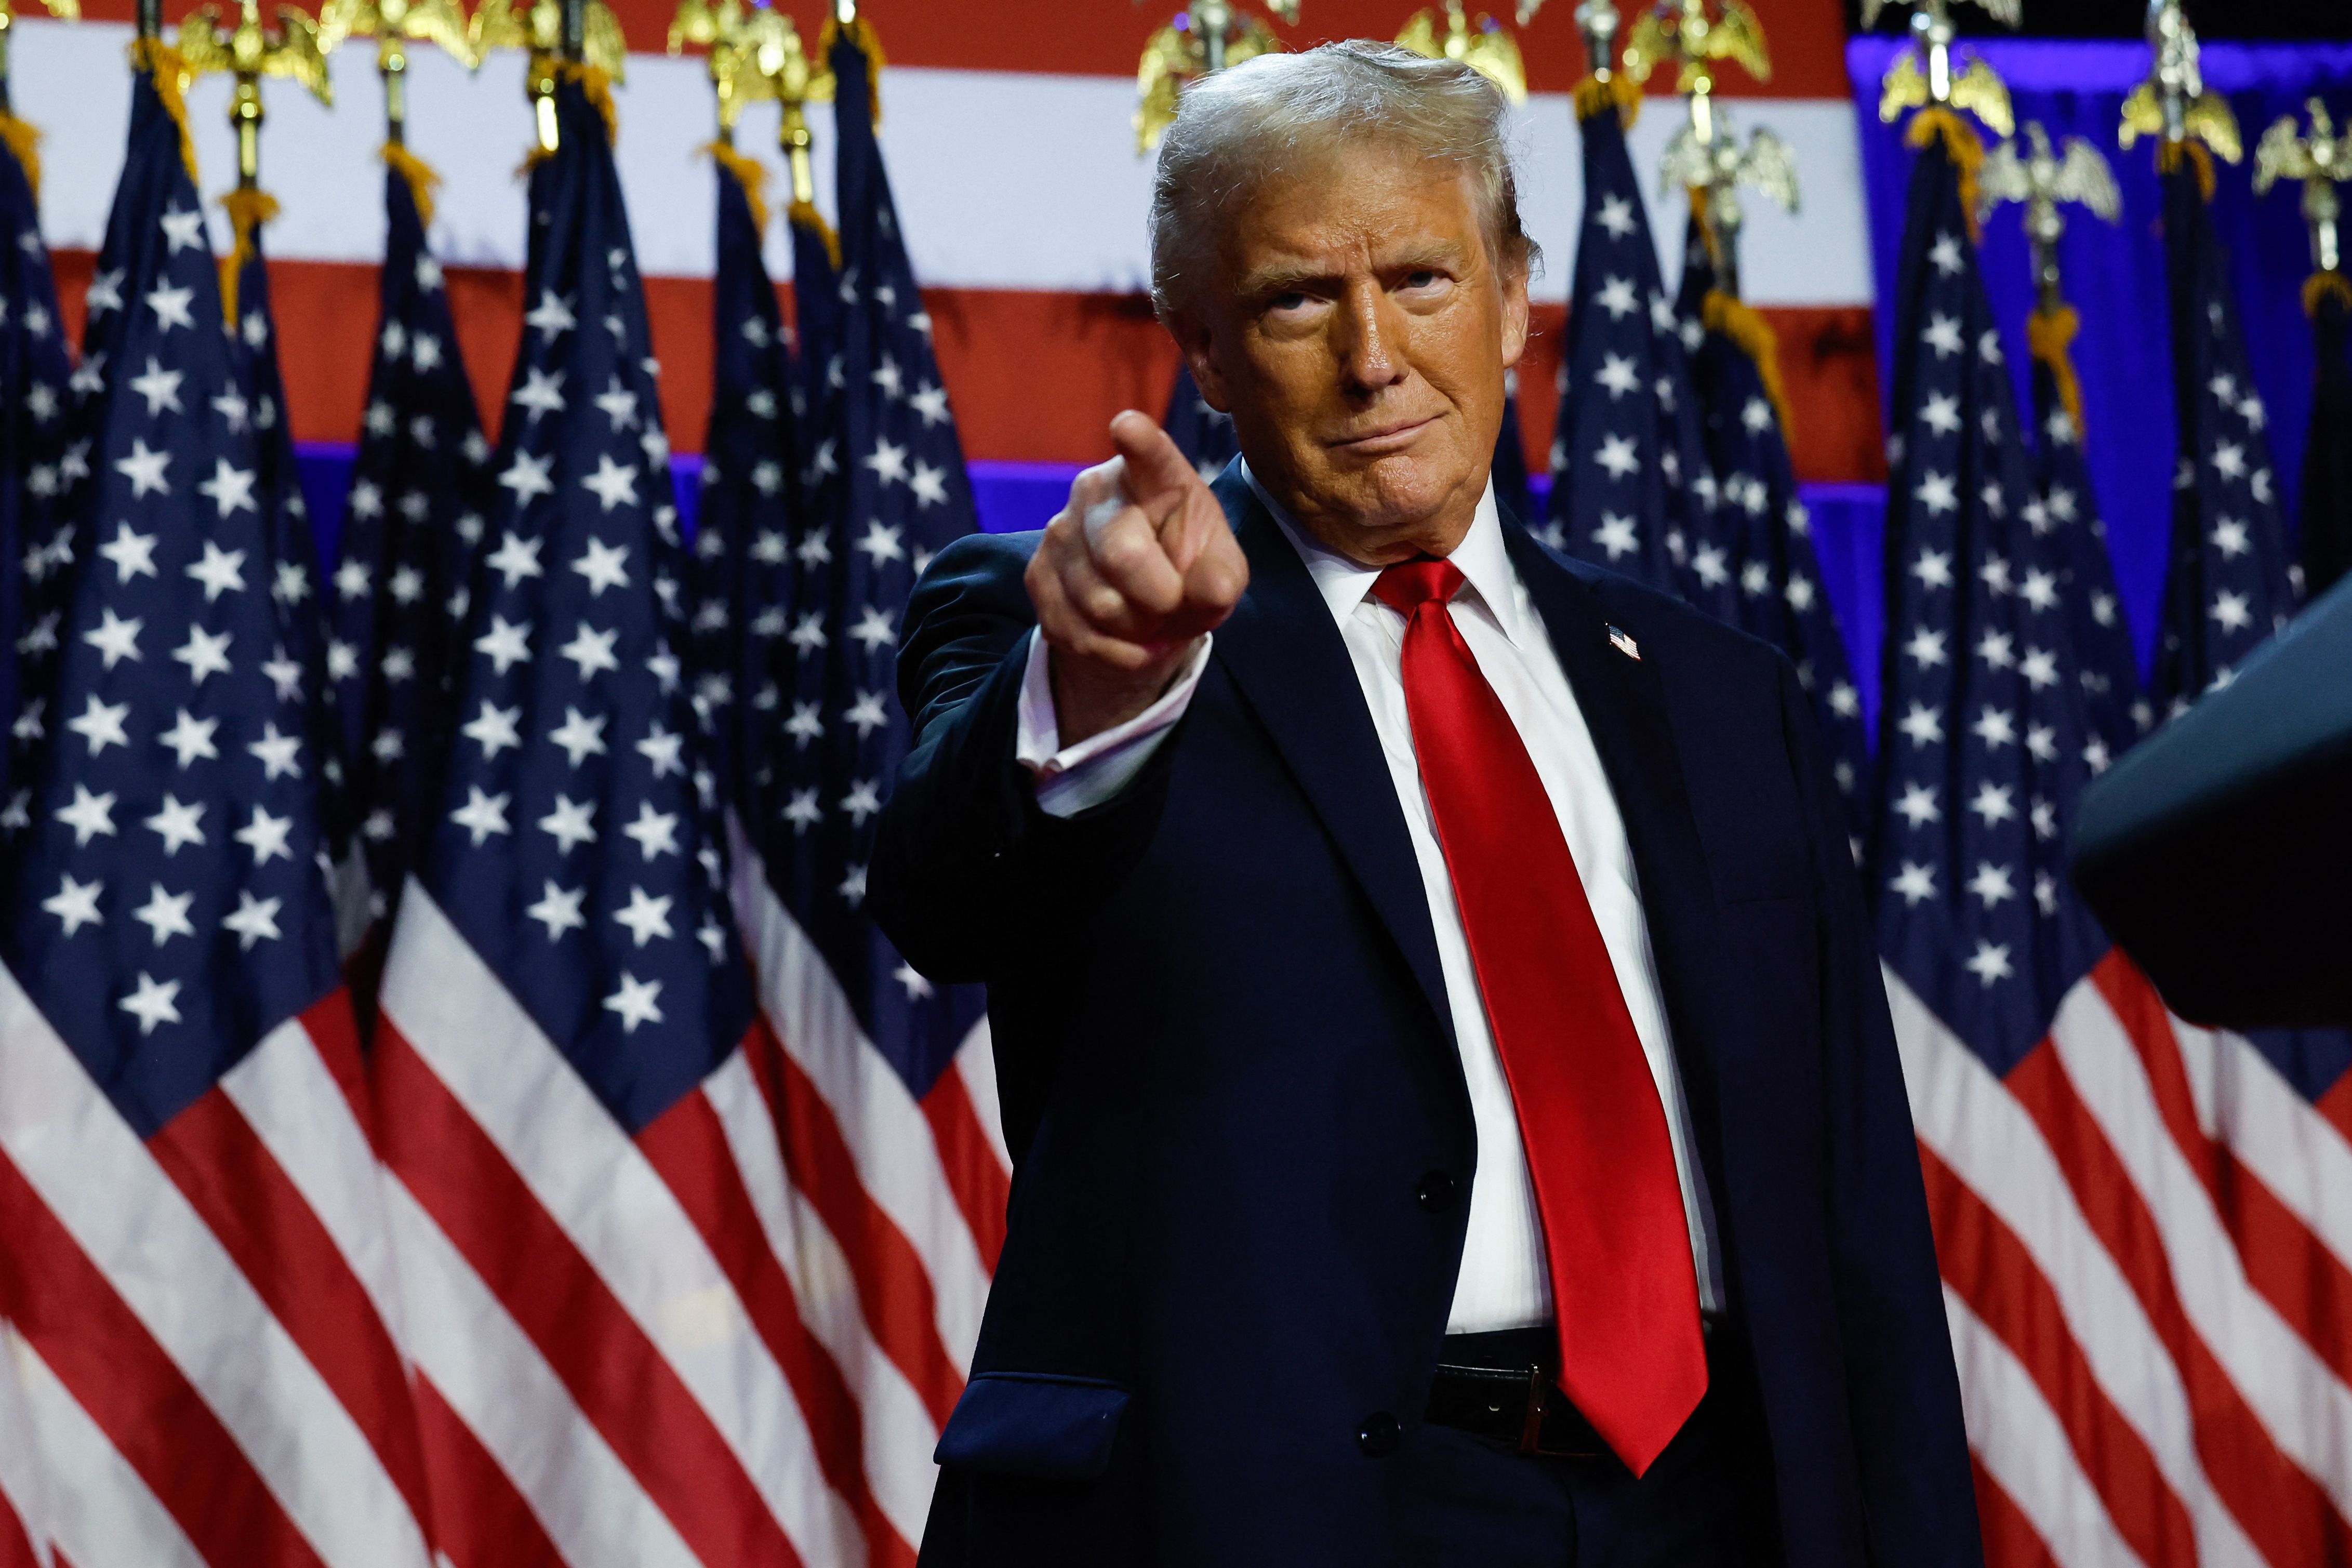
2135	1388
194	1212
588	1198
884	1083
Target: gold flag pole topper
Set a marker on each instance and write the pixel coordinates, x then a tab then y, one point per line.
554	32
737	39
247	52
1211	35
2321	159
1922	76
2173	104
395	24
2043	180
64	10
1486	46
796	79
1705	157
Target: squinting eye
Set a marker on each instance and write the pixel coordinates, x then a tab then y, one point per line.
1294	301
1424	278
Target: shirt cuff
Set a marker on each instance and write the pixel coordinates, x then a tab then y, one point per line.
1072	779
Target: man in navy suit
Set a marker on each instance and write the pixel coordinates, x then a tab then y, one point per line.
1455	1115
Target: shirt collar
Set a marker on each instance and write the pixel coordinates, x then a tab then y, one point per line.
1481	557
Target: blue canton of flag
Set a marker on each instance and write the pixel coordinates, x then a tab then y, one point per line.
2230	584
816	341
576	849
166	905
1630	488
2067	512
1982	737
900	495
750	502
1199	432
33	376
1780	580
397	598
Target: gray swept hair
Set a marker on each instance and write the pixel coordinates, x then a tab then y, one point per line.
1252	122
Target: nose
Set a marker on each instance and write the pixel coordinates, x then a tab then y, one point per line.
1367	340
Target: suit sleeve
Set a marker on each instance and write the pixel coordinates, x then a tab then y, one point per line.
1919	1496
971	879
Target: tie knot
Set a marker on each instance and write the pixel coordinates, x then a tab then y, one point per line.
1409	584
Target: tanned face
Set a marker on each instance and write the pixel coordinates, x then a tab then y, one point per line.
1358	328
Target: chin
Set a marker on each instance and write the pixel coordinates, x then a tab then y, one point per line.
1400	489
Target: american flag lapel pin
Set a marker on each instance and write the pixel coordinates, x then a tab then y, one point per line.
1623	641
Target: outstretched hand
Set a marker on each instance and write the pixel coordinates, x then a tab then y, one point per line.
1131	574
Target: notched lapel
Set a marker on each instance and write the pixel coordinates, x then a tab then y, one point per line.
1285	654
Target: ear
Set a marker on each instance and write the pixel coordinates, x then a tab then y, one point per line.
1198	345
1515	314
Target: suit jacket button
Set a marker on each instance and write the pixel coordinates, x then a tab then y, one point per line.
1435	1192
1377	1436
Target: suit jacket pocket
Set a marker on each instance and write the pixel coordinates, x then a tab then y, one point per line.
1039	1426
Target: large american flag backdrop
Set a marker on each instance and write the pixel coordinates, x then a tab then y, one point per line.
2143	1225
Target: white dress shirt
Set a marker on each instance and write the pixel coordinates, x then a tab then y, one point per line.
1503	1283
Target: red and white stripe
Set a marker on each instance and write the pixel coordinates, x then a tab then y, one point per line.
205	1321
2144	1233
26	1530
729	1340
895	1211
1033	283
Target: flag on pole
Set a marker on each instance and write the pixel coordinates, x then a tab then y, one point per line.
887	1103
814	342
2230	583
192	1209
34	376
24	1527
750	503
2066	511
397	599
593	1230
2135	1218
1630	484
1735	372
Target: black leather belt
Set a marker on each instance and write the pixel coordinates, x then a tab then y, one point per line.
1523	1409
1500	1385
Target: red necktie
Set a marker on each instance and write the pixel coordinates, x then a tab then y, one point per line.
1623	1286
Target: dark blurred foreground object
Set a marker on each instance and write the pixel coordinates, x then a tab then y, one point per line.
2219	851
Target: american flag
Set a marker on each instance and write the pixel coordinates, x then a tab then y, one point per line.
888	1106
594	1235
2326	522
397	598
1780	596
195	1253
25	1525
36	545
2231	582
816	284
750	493
1630	484
2066	510
2139	1223
1199	432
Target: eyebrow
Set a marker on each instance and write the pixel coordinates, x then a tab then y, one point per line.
1281	276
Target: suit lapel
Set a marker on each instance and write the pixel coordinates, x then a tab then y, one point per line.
1624	706
1284	652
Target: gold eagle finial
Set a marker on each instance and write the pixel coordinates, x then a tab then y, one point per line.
1682	32
538	26
2322	160
1922	75
2174	105
1211	35
1486	48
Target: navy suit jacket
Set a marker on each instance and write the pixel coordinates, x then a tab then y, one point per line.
1227	1069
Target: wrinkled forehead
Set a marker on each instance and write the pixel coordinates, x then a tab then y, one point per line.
1375	202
